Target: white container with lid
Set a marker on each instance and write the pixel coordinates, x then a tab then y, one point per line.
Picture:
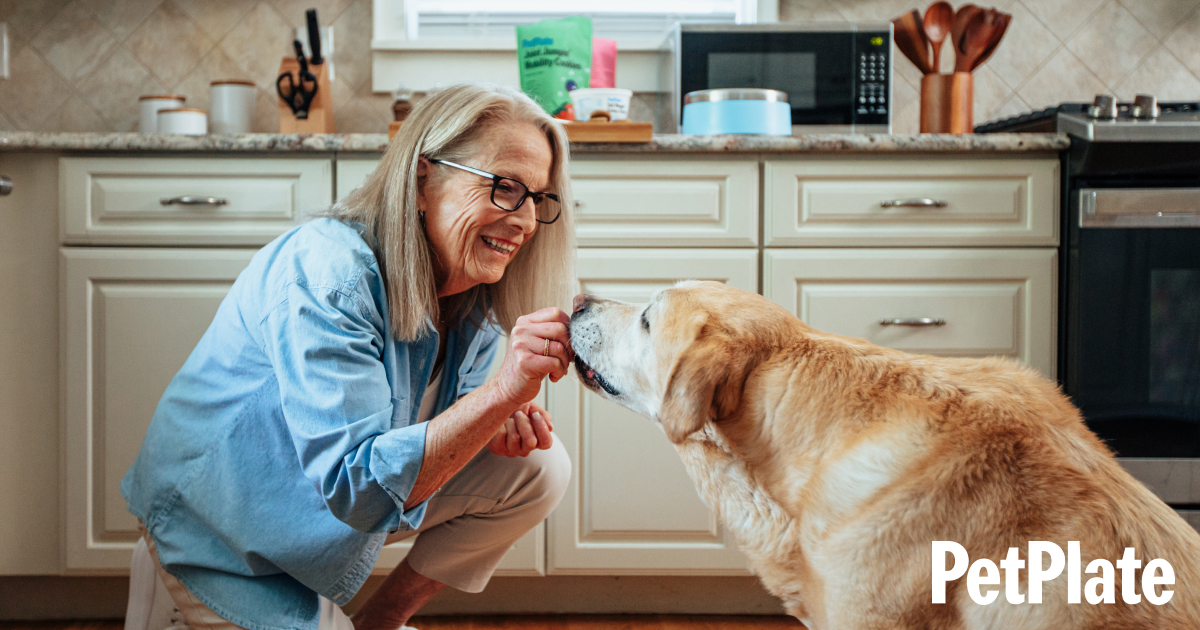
232	106
150	105
615	101
185	120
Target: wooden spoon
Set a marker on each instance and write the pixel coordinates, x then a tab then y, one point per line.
976	38
961	18
1002	21
910	39
939	18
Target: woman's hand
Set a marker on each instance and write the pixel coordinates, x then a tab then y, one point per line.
538	346
528	428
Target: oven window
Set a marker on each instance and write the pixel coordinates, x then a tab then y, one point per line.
1175	337
794	73
1133	329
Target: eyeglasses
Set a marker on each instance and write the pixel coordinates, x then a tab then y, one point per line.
508	194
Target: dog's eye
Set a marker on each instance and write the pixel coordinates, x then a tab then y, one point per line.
645	321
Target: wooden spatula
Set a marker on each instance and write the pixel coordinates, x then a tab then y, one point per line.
910	39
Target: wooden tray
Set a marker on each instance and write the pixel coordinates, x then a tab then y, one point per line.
606	131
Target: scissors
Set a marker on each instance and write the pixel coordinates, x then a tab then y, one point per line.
298	92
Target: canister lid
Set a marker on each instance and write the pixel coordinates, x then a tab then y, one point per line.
735	94
181	109
233	82
165	97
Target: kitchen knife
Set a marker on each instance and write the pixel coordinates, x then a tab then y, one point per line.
314	38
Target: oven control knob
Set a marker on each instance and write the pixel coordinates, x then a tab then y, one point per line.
1144	107
1105	107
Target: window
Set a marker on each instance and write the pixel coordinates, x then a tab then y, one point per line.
626	21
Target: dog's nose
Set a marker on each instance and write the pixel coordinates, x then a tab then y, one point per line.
580	302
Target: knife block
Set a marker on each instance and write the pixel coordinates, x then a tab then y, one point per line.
320	111
947	103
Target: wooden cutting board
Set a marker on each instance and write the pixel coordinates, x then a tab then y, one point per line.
597	130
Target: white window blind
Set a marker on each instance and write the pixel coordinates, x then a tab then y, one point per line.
613	19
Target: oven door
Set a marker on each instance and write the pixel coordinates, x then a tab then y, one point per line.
1133	330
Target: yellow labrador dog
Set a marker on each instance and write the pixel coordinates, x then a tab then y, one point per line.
837	464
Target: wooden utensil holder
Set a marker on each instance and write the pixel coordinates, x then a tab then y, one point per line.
320	111
947	103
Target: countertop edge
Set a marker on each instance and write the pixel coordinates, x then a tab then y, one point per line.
666	144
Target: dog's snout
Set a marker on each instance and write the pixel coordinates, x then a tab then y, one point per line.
581	302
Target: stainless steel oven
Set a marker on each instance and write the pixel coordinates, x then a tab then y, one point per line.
1132	361
1129	333
838	76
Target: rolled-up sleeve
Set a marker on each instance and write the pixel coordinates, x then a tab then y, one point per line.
326	346
477	371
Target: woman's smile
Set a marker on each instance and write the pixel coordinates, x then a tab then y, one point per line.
499	245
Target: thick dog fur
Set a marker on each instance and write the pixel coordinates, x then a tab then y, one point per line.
835	463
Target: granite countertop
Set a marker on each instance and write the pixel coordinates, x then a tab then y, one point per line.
377	142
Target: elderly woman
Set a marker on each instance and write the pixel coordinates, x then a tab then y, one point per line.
338	401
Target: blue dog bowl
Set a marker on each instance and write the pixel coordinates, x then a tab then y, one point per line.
737	110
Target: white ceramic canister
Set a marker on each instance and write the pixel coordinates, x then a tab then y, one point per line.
615	101
185	120
150	105
232	106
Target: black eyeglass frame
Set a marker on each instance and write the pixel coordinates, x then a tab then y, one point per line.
496	179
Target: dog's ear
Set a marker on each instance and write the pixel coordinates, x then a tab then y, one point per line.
705	383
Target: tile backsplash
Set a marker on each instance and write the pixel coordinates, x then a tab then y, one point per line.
79	65
1053	51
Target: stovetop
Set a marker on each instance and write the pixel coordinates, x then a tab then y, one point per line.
1106	120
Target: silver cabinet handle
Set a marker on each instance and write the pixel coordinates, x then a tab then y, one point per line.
914	321
5	185
188	200
920	202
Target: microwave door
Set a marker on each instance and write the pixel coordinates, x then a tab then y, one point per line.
815	70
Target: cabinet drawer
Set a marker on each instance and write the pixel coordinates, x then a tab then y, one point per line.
993	302
120	201
853	202
666	203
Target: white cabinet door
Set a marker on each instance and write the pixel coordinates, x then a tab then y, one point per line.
646	203
910	201
130	320
189	201
29	388
665	203
630	507
994	302
351	173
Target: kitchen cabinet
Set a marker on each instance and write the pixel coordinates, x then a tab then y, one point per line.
29	344
983	302
911	201
630	507
834	229
132	316
130	319
134	284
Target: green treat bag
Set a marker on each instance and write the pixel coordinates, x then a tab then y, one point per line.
555	57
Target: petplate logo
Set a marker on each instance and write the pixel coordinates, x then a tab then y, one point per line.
1101	589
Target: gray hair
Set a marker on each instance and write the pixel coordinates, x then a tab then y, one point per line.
450	125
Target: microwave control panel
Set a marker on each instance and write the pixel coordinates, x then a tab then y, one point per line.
872	77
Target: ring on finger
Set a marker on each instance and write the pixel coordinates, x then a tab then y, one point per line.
546	350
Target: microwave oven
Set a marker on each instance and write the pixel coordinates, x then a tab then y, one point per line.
838	76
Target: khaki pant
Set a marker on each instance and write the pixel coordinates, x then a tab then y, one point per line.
469	524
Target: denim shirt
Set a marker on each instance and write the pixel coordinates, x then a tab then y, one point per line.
282	453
